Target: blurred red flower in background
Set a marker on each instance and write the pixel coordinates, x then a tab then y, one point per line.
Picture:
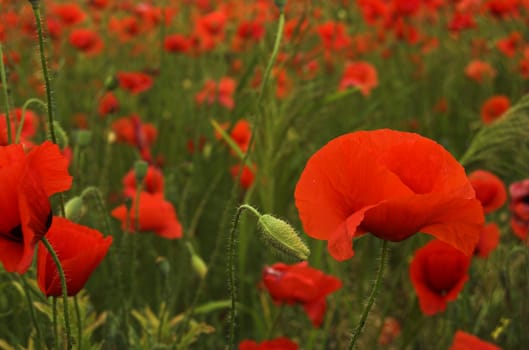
29	128
519	207
152	183
489	188
86	41
221	92
360	75
392	184
27	181
273	344
438	272
247	175
466	341
109	103
391	329
155	214
69	13
479	70
135	82
80	250
301	284
488	240
494	107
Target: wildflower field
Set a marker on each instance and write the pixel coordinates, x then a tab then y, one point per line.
264	174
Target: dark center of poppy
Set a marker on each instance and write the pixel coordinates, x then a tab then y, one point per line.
525	199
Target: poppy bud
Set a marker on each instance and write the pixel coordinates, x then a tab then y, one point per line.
197	263
61	135
84	137
140	170
280	4
283	237
111	83
34	3
75	209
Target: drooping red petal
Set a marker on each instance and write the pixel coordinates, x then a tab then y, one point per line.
51	167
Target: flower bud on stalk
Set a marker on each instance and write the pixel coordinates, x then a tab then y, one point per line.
283	237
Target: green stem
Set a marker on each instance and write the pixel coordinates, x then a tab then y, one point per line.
55	325
51	108
275	51
6	96
64	291
372	296
232	271
79	323
32	311
23	117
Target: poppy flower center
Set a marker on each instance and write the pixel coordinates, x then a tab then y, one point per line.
525	199
442	272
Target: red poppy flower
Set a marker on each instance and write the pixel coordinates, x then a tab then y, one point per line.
135	82
461	21
361	75
392	184
489	188
69	13
466	341
108	104
247	176
221	92
438	272
153	182
133	131
80	250
241	134
509	45
494	107
301	284
334	36
177	43
479	70
488	240
281	343
27	181
87	41
519	208
156	215
391	329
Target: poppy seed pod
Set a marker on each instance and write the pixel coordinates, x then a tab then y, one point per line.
84	137
283	237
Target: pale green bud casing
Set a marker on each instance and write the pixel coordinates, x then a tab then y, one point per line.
75	209
283	237
140	170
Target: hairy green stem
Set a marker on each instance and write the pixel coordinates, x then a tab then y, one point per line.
23	117
79	323
50	107
372	296
64	291
32	312
6	95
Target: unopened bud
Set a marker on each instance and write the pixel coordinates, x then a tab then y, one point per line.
75	209
283	237
140	170
199	266
280	4
111	83
197	263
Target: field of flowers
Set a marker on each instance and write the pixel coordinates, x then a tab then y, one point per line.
264	174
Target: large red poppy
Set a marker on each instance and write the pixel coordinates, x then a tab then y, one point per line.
155	214
392	184
438	273
26	181
80	250
466	341
300	283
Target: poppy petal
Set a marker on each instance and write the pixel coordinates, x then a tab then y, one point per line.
51	166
